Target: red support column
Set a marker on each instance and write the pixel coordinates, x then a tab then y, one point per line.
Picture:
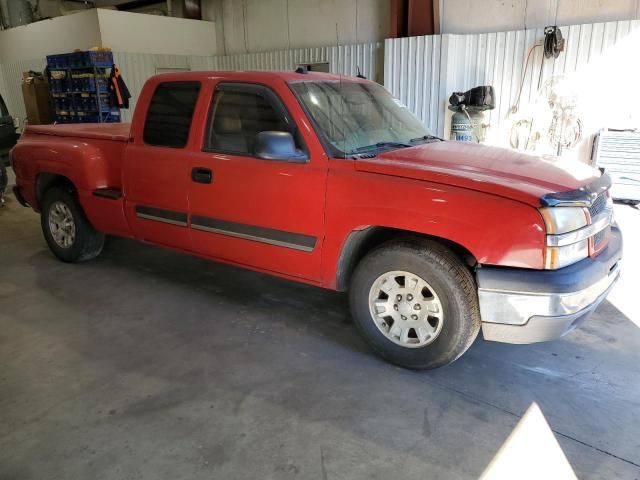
420	18
399	10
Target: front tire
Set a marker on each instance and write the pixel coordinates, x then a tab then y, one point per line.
66	229
415	303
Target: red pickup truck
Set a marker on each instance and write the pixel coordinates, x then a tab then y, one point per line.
330	181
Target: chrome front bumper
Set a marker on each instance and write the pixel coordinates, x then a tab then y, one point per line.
527	306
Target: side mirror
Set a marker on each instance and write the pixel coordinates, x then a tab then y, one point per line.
278	146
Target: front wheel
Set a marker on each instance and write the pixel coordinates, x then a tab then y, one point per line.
415	303
66	229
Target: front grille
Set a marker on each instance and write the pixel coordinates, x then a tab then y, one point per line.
598	206
599	237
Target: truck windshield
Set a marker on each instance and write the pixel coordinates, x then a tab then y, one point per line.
359	118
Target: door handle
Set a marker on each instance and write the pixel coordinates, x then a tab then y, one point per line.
201	175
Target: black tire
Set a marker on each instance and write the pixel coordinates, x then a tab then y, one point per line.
451	281
4	177
87	243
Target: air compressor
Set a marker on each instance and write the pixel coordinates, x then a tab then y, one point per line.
467	122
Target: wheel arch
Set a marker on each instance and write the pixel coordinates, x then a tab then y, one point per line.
360	242
47	180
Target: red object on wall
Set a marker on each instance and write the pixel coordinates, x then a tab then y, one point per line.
421	18
399	11
412	18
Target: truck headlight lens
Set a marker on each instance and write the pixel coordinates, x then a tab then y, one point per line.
558	257
561	220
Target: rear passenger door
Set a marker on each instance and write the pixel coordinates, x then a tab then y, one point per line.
156	165
266	214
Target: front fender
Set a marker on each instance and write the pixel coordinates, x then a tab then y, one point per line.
494	229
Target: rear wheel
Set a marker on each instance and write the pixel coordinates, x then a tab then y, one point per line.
415	303
66	229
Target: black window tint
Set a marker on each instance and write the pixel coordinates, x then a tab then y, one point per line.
170	112
236	118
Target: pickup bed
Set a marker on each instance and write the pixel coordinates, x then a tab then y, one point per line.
329	181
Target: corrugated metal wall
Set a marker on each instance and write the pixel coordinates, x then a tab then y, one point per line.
423	71
412	74
346	59
136	68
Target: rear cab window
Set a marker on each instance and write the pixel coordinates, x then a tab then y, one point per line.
170	114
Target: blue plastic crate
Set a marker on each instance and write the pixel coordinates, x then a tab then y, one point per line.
98	59
56	61
113	116
56	85
95	84
92	102
105	102
63	104
86	59
64	118
66	60
75	59
80	103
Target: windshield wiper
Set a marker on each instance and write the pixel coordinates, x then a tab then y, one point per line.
380	145
425	137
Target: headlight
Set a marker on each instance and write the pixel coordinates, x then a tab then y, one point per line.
558	257
563	219
558	221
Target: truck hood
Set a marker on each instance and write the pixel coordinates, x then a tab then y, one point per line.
493	170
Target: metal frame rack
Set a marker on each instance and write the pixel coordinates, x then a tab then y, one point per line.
81	93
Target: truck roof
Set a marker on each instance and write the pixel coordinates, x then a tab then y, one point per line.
252	75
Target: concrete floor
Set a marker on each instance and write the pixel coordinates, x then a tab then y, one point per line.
150	364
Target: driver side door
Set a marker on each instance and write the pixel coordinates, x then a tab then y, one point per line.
264	214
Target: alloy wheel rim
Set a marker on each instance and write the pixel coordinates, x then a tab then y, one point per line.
406	309
61	224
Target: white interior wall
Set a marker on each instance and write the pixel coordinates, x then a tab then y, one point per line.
153	42
57	35
121	31
474	16
140	33
265	25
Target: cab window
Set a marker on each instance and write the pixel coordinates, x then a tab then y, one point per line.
170	114
239	112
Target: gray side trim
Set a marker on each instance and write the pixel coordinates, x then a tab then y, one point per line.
297	241
160	215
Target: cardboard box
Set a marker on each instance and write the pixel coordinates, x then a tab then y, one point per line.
37	100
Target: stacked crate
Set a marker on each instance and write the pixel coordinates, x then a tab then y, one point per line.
79	84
